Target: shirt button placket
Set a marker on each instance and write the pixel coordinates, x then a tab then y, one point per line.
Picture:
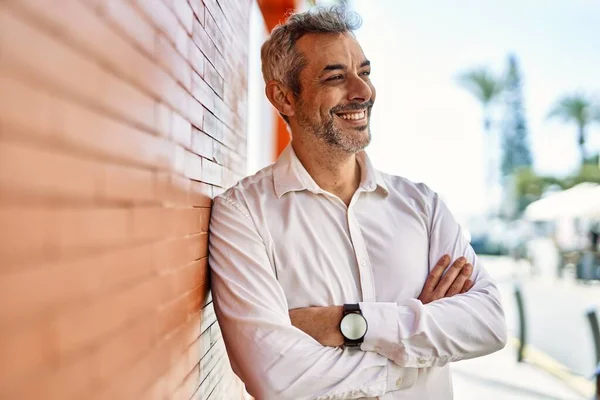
366	279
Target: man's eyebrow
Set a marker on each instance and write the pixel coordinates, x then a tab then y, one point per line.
333	67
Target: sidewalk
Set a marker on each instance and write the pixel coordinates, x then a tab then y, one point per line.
499	377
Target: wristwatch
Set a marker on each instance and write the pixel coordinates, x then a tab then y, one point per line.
353	325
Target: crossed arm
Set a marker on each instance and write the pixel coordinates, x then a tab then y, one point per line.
322	323
276	359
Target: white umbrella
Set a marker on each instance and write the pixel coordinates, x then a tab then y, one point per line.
582	200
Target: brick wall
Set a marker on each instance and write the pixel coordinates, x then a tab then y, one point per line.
119	120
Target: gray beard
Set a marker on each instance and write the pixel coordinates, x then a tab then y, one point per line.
335	138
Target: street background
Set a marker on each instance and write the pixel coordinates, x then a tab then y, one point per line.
557	327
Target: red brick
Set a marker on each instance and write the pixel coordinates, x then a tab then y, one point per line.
174	62
25	234
24	351
203	92
157	391
103	215
190	276
172	189
90	322
82	26
212	126
213	78
162	119
203	41
183	42
161	17
27	110
28	51
174	95
189	385
202	144
193	166
185	14
89	228
122	98
214	32
45	173
60	381
171	316
196	59
130	21
200	194
110	138
199	10
124	348
212	172
181	131
128	184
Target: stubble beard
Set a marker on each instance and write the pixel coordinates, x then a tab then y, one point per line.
334	137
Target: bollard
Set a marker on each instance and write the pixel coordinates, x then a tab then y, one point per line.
597	373
522	326
592	317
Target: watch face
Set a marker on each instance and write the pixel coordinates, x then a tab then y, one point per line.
353	326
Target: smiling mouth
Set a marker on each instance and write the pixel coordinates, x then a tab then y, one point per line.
355	117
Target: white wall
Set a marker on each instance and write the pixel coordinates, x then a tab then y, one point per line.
261	117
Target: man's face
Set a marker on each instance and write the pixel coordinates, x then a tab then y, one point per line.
336	93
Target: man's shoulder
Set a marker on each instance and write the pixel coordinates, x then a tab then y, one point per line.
258	184
404	187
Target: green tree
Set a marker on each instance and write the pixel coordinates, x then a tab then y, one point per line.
485	87
530	186
577	108
516	152
482	84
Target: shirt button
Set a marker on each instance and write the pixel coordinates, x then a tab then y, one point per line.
421	361
399	382
363	263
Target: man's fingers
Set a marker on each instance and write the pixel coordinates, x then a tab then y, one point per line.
468	285
460	281
449	277
435	274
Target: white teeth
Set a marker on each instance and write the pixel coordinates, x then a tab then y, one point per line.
354	116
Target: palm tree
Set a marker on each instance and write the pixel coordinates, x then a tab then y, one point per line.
487	89
580	109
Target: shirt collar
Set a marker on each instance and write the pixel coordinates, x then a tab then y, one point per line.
289	175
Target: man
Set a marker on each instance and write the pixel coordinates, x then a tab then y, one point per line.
326	273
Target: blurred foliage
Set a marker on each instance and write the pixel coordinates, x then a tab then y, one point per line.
484	86
530	187
516	152
581	110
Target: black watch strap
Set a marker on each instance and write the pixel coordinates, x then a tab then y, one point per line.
348	308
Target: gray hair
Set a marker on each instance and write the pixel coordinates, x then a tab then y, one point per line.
281	61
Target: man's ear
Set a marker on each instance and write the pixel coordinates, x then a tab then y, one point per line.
281	98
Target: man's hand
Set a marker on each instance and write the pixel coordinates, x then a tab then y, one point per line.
455	281
322	323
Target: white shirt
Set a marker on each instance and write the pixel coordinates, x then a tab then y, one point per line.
279	242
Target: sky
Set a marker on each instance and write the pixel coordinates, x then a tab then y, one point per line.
429	129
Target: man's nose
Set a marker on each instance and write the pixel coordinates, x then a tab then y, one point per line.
358	89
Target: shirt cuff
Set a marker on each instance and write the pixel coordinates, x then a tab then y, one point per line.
382	330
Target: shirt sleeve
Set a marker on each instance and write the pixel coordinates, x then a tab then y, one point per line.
450	329
274	359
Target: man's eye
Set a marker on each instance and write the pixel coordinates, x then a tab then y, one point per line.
335	78
366	73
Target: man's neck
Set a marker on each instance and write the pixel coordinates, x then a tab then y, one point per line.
334	171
